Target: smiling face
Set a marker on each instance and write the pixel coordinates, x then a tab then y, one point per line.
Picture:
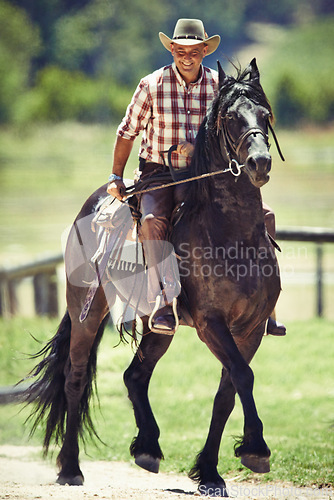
188	59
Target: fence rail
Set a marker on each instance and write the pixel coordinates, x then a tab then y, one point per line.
313	234
45	283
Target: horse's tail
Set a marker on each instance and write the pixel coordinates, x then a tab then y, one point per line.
47	392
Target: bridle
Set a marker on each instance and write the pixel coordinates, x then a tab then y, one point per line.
232	147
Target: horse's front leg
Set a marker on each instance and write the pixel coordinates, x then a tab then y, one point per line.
145	447
205	469
252	449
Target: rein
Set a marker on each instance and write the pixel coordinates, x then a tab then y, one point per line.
276	141
233	167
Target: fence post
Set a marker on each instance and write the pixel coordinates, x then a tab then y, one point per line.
8	297
4	299
46	293
319	271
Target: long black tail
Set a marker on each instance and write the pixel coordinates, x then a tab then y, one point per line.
47	392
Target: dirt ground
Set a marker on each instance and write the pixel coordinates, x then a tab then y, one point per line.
25	476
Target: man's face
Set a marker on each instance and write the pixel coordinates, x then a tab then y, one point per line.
188	59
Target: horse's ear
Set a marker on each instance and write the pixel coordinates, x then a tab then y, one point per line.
222	75
254	71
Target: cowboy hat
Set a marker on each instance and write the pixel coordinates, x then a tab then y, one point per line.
190	32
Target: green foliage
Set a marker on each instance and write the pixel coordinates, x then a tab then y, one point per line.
19	42
300	75
103	39
60	94
109	44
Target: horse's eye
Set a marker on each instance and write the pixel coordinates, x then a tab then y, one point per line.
229	116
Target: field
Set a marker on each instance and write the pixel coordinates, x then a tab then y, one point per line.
293	389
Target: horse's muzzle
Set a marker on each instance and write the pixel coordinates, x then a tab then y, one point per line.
258	166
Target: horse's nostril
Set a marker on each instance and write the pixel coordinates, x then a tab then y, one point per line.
251	163
259	163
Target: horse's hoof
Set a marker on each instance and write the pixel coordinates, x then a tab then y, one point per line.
70	480
147	462
255	463
215	490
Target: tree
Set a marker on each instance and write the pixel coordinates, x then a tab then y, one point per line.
115	39
300	74
19	43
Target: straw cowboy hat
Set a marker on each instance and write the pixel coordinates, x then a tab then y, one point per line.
190	32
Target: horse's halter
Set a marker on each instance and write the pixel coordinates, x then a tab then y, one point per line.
231	146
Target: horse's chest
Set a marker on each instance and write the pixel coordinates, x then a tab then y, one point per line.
229	272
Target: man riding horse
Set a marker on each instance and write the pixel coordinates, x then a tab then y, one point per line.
169	106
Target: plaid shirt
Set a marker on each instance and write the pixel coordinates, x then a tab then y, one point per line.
168	112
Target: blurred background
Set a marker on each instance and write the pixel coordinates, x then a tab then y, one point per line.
67	72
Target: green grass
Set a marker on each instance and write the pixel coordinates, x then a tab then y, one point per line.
294	391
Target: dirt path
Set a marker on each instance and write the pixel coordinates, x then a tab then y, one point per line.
24	476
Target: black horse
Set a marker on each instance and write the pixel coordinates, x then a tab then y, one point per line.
229	297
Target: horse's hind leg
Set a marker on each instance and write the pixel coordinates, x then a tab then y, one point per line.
79	375
145	447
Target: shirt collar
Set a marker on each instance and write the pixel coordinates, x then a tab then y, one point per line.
180	79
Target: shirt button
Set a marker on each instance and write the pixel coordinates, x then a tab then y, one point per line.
188	112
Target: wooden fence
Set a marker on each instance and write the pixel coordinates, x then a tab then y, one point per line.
319	236
45	283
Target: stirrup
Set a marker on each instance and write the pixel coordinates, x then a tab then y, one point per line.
155	309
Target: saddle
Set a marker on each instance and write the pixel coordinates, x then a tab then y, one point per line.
120	258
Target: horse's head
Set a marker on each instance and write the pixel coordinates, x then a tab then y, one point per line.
243	115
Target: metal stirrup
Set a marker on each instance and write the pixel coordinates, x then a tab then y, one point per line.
156	308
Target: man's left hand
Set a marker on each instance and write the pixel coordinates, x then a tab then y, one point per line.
185	149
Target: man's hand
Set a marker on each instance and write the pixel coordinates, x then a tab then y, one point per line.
117	189
185	149
122	150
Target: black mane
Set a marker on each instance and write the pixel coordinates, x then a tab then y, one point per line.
232	89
